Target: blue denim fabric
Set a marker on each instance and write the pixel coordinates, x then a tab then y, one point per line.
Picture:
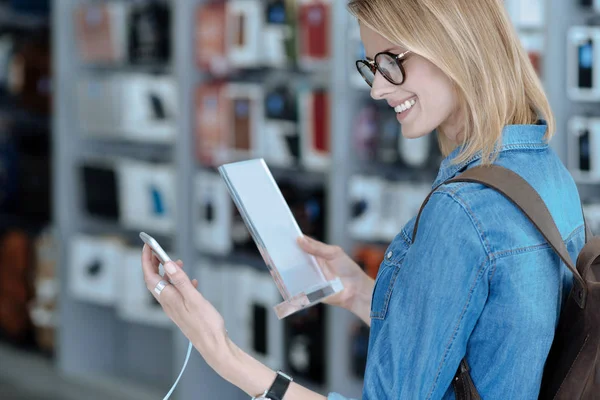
479	281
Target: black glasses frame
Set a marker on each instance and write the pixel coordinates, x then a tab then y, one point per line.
374	67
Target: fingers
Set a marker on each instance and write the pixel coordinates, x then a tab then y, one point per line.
151	275
180	280
318	249
195	283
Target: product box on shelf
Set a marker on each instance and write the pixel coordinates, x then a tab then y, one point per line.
314	32
150	32
99	189
135	107
211	38
315	128
583	149
583	70
366	206
281	139
211	124
244	27
147	196
279	33
95	269
101	32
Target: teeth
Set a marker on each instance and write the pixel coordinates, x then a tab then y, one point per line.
407	105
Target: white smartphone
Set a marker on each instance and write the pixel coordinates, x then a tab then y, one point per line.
156	248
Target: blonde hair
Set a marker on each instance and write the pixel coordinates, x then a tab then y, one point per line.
475	44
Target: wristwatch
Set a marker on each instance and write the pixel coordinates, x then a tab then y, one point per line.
277	389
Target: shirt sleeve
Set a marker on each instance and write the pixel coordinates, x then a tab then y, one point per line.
438	296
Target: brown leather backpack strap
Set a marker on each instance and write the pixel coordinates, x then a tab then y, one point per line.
464	388
517	190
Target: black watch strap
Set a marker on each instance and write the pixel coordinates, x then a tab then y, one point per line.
279	386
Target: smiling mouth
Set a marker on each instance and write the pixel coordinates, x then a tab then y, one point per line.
407	105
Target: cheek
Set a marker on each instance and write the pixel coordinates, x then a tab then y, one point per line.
435	91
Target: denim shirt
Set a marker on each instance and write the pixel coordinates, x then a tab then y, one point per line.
479	281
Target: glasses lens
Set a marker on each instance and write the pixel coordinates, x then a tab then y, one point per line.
366	72
389	68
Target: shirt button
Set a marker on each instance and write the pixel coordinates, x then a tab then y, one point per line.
389	255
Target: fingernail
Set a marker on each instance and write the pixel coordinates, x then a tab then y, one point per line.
170	267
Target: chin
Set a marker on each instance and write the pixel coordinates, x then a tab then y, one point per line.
414	133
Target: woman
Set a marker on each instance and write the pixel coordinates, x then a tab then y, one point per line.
480	282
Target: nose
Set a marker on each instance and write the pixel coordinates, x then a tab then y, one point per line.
381	87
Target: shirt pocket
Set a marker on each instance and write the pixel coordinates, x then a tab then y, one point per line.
382	292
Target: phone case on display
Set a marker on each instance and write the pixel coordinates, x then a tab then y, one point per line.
101	32
246	111
281	141
16	285
583	73
315	129
305	351
314	27
583	148
136	304
150	33
211	124
99	189
94	268
245	21
279	34
213	214
211	38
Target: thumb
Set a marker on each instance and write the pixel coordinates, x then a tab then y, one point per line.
179	279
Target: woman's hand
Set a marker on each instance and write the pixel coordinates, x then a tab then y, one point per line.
199	321
202	324
358	286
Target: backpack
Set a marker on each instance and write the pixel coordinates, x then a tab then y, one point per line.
572	368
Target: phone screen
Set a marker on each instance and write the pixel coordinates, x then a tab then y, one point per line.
586	61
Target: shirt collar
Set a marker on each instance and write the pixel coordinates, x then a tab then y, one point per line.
513	136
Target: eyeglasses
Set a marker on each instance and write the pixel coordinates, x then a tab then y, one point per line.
388	64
